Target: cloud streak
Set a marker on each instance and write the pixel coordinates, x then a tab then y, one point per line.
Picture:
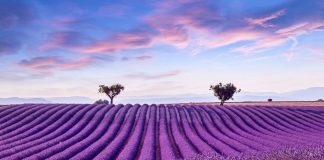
72	40
280	37
138	58
50	64
133	39
263	21
146	76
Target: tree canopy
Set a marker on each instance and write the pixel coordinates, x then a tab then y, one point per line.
224	92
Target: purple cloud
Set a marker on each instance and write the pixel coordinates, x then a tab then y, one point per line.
79	42
15	18
138	58
70	22
72	40
50	64
14	14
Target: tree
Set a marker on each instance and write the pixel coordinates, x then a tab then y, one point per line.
100	101
111	91
224	92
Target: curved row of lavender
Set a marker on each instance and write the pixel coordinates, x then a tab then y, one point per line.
61	131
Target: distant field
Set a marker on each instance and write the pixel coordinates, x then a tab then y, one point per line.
72	131
275	103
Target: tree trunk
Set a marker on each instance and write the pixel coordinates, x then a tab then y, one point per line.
222	101
111	100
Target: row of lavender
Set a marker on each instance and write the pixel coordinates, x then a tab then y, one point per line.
60	131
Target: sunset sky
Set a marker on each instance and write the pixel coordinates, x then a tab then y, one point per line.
163	47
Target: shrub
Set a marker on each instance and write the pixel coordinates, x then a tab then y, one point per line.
100	101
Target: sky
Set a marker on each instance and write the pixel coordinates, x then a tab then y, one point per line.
68	48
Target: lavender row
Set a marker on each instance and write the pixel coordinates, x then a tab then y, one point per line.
58	131
96	147
37	146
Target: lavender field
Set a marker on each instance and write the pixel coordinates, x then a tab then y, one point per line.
63	131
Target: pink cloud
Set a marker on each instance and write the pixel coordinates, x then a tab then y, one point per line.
134	39
263	21
131	40
78	42
175	21
261	44
50	64
176	25
280	37
187	24
300	28
40	63
226	38
168	28
71	40
76	64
